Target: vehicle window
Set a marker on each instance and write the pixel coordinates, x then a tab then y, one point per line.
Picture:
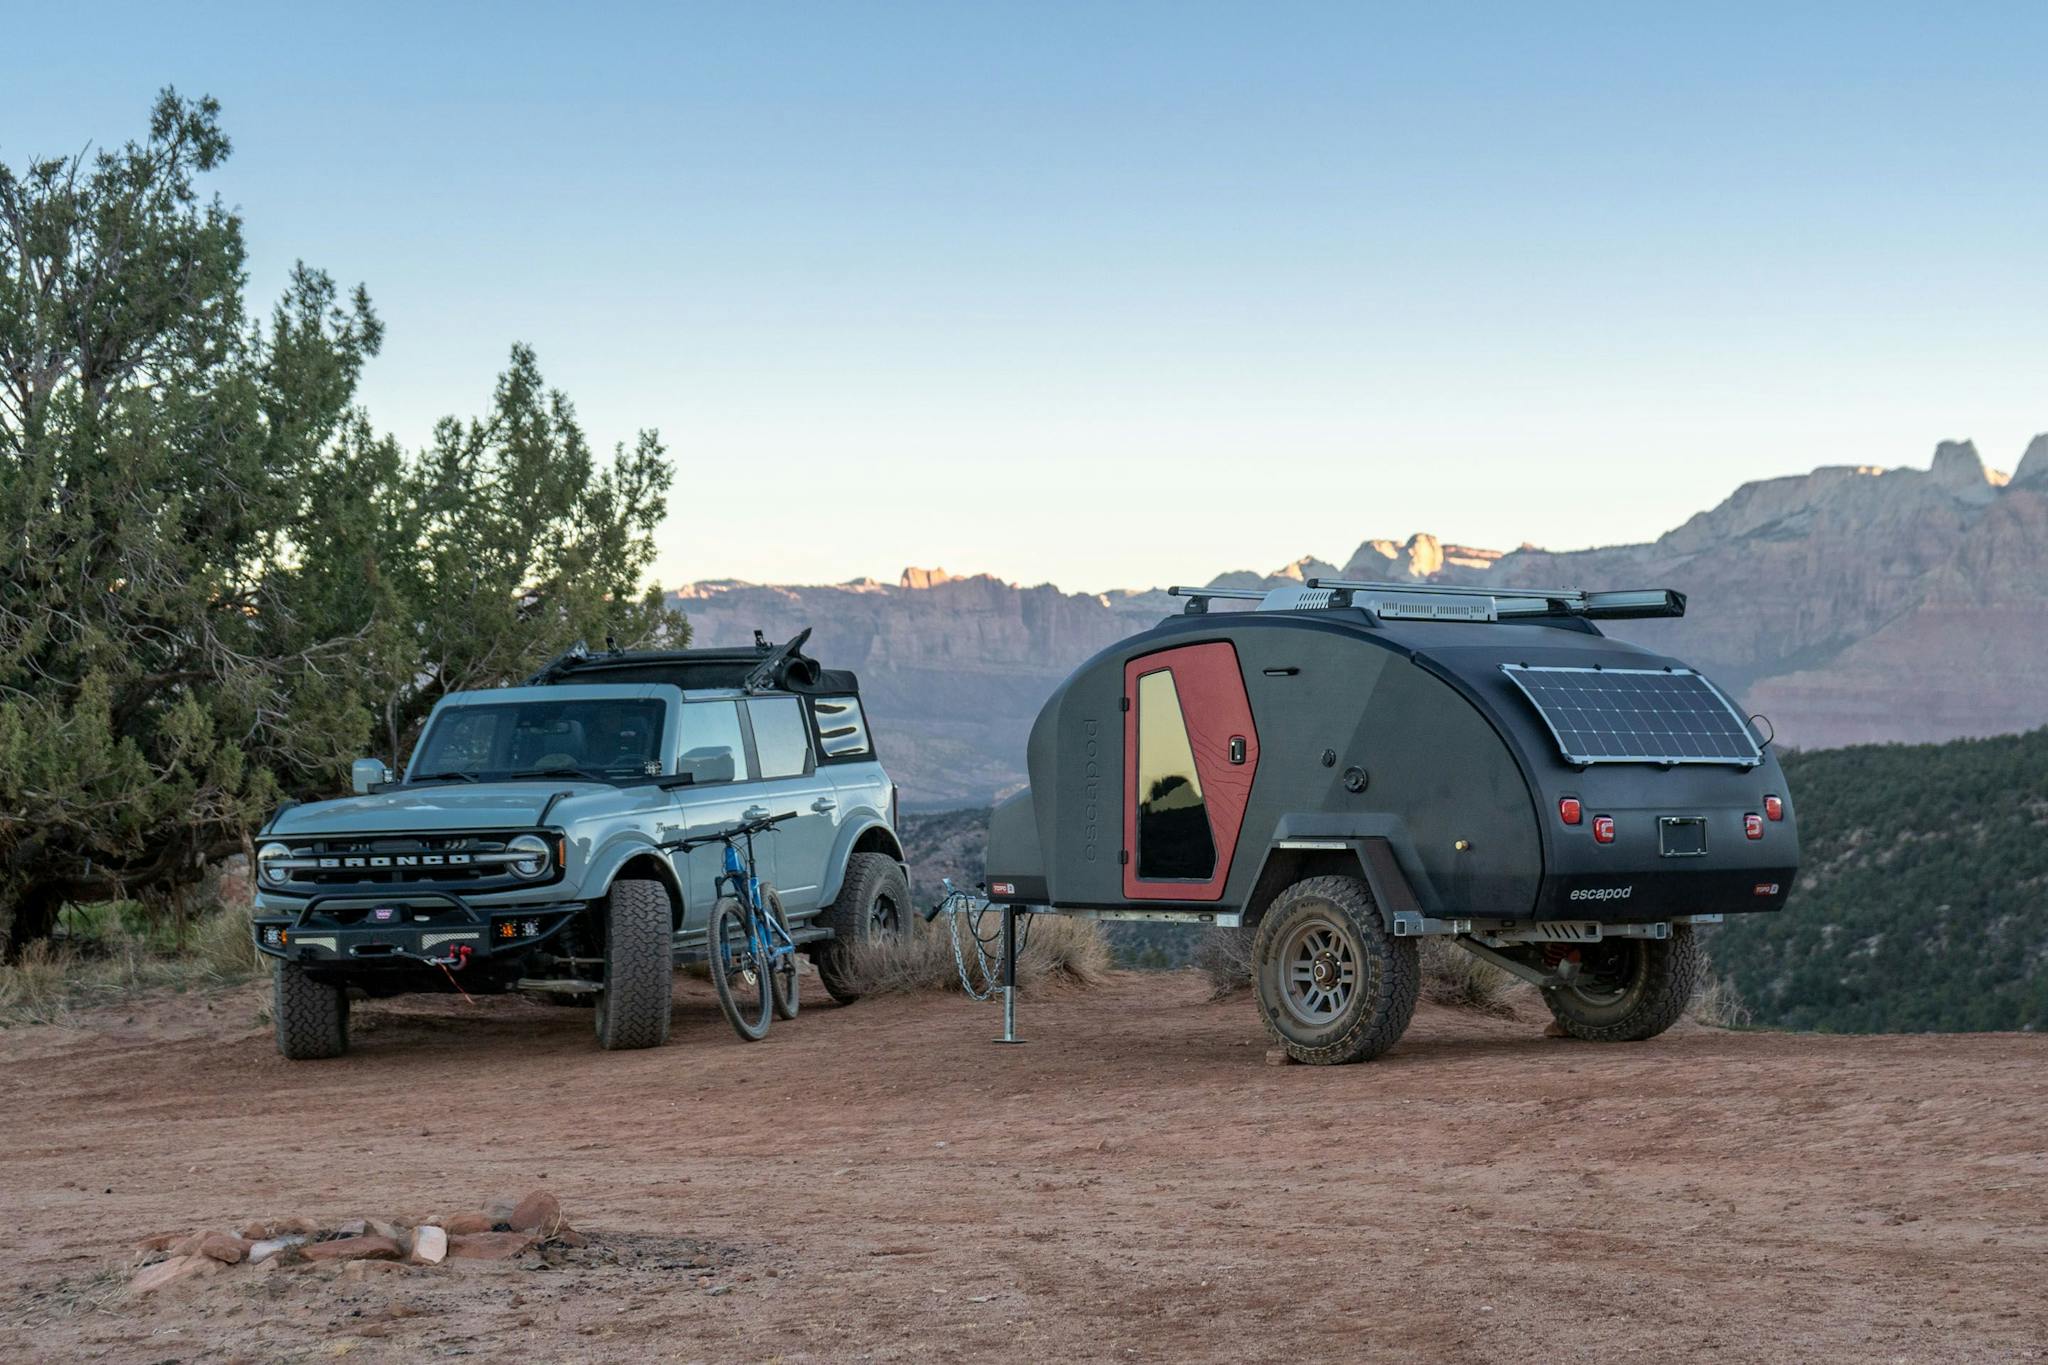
842	730
1173	820
779	739
709	748
487	740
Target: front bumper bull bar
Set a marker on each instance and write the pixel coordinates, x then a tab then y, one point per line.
394	934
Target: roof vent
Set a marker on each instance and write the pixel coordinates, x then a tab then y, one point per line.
1425	607
1294	597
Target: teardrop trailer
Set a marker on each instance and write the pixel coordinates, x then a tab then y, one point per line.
1349	767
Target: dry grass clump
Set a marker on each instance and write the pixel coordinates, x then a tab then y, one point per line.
1225	957
1057	951
224	943
1715	1003
107	961
1455	978
1450	975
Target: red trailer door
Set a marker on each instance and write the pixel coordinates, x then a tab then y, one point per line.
1190	752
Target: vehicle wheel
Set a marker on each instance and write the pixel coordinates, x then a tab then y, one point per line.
742	986
782	982
311	1016
639	959
1628	989
1333	984
873	904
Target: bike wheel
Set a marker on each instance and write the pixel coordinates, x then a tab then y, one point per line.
782	978
741	984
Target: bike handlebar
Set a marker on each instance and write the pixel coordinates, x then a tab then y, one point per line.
766	822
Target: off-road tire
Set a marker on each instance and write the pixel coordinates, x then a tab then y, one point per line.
639	961
311	1016
874	883
1385	980
747	1004
786	981
1661	977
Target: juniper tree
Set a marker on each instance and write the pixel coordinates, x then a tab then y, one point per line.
217	581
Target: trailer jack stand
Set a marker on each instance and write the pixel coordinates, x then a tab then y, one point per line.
1009	976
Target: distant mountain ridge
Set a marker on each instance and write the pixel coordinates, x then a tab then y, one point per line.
1851	604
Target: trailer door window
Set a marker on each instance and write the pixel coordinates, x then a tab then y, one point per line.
1174	841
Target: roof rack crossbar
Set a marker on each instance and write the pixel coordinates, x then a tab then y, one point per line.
1615	605
1198	598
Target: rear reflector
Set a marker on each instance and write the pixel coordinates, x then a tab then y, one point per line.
1774	809
1568	809
1753	825
1603	829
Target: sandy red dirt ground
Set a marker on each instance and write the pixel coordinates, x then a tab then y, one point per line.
879	1182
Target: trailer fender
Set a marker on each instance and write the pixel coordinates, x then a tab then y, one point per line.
1375	847
865	832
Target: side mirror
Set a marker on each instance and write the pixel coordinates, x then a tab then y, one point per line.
366	773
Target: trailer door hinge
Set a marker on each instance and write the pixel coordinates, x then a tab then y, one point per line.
1123	855
1123	703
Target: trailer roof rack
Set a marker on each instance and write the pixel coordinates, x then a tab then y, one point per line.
1445	601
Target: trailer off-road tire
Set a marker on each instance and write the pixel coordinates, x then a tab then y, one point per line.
639	960
873	904
1334	985
311	1016
1629	989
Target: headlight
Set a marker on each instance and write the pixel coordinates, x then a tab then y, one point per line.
532	851
267	859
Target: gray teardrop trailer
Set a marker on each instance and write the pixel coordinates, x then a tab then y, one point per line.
1349	767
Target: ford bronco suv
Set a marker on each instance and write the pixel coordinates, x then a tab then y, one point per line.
535	841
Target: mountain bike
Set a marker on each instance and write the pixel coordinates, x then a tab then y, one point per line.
753	958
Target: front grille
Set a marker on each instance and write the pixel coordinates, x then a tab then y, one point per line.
453	860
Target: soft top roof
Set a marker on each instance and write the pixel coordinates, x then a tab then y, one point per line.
788	668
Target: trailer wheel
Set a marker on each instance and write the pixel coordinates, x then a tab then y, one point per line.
1629	989
311	1016
1334	985
873	904
639	960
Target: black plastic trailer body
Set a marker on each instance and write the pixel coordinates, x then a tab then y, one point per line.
1405	751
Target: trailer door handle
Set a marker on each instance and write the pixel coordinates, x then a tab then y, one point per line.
824	805
754	813
1237	748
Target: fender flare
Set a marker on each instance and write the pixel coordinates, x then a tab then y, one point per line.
862	825
607	862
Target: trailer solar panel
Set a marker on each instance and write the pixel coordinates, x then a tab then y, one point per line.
1637	715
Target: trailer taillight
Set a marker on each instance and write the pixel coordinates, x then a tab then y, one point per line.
1603	829
1753	825
1568	809
895	822
1774	808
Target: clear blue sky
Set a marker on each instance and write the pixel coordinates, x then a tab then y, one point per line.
1123	294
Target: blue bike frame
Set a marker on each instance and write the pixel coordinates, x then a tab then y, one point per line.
764	948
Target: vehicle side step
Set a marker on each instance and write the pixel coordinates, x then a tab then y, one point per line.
564	986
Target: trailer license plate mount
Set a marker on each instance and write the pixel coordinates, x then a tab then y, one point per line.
1682	836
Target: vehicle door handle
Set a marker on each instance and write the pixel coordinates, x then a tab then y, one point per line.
754	813
824	804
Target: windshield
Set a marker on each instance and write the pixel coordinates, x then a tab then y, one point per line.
489	741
